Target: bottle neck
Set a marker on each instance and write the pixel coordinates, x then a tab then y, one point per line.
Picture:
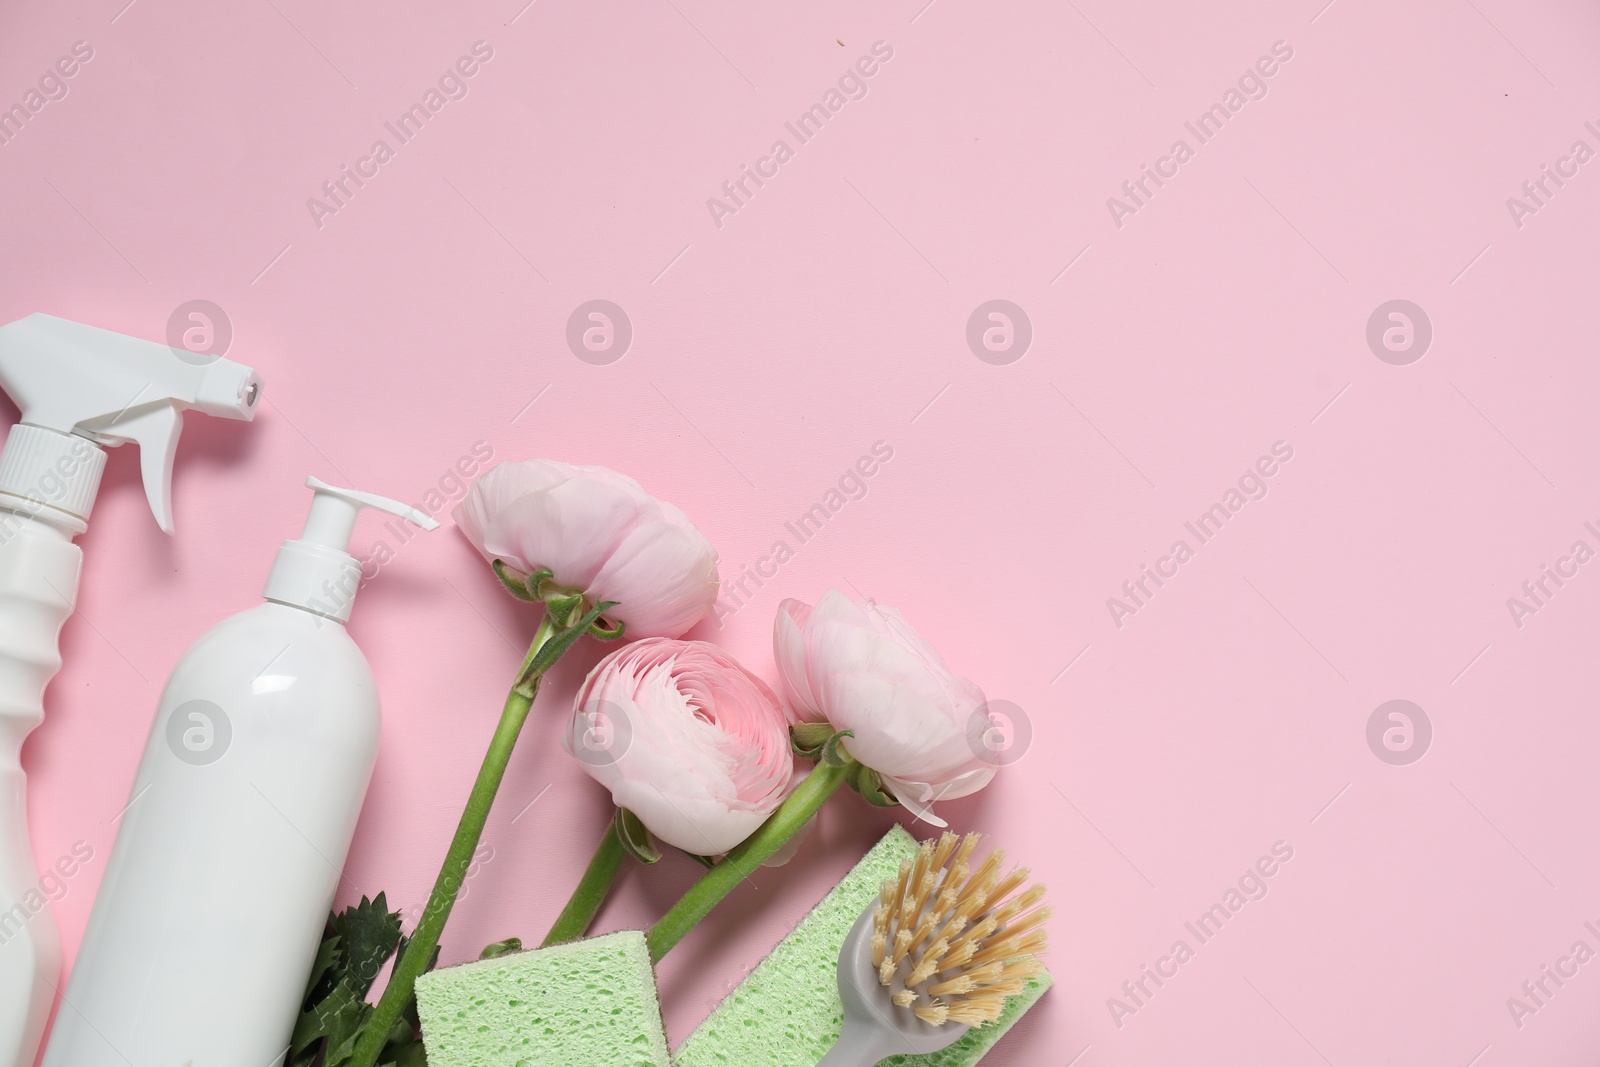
315	578
50	476
18	515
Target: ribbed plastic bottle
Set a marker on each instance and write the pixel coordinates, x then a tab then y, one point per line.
233	843
80	390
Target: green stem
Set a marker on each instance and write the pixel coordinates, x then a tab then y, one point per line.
574	920
720	880
419	952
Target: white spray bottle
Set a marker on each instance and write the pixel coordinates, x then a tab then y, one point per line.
80	390
233	842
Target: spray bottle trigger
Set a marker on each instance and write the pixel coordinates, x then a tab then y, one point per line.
155	430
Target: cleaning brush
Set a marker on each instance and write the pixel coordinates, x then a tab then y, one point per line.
944	945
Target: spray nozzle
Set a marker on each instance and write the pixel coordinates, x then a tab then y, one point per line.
317	572
77	383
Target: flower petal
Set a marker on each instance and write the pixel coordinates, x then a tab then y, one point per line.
571	527
663	576
868	671
699	746
789	650
494	490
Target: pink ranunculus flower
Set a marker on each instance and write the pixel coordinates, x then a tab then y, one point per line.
864	669
599	533
685	738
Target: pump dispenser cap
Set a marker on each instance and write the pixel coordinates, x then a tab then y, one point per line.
317	572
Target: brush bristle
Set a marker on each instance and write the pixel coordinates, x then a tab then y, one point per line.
960	937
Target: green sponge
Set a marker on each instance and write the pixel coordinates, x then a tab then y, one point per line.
586	1004
787	1012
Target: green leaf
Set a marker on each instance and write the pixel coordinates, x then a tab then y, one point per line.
601	633
536	581
368	935
515	584
404	1046
407	1052
869	784
833	751
807	738
354	947
326	960
563	606
337	1019
554	648
342	1042
501	948
635	838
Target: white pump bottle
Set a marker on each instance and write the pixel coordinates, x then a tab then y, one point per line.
233	843
80	390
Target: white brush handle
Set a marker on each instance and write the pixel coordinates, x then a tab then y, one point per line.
39	567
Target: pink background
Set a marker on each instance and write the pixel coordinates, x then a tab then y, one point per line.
1227	314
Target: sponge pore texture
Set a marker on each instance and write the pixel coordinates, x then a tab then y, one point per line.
587	1004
